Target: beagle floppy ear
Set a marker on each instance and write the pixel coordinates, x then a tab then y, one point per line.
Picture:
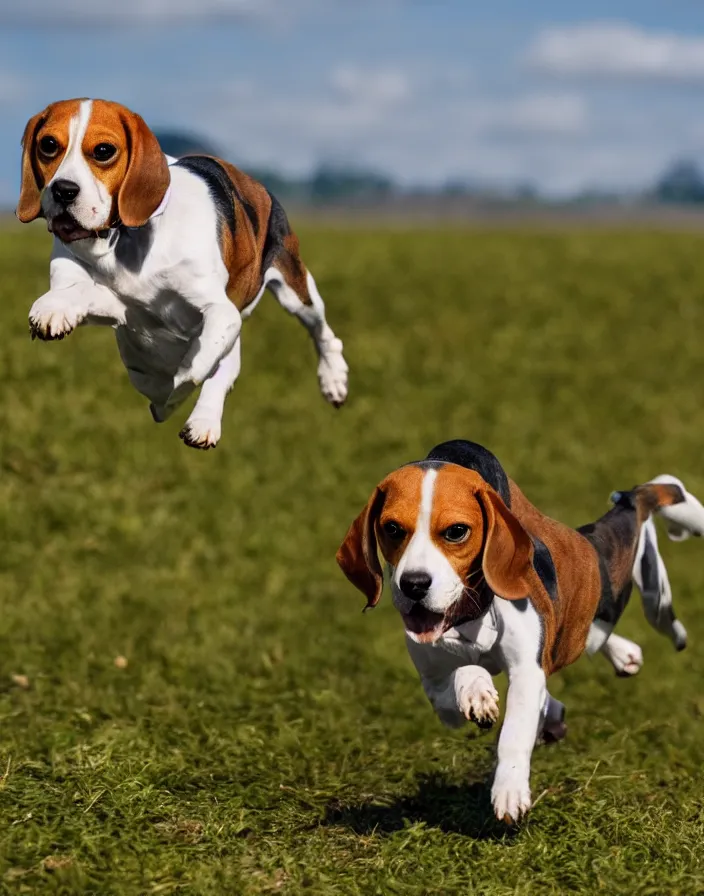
508	549
357	556
29	206
147	178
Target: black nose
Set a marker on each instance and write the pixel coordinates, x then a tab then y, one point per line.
65	191
415	584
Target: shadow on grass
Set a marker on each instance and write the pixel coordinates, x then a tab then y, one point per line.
437	803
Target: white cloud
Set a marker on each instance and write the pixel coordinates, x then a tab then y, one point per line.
557	115
416	134
617	50
373	86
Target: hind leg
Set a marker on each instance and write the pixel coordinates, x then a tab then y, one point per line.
650	575
625	656
296	292
203	427
553	726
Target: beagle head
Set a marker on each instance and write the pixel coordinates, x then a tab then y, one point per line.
450	542
88	165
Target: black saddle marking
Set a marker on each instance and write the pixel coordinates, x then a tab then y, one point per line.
475	457
277	229
220	187
545	567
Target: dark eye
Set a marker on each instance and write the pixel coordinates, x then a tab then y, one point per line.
48	147
393	530
103	152
456	533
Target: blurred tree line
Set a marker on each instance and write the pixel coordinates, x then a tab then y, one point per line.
681	183
327	183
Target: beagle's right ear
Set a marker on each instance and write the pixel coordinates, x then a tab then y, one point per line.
29	205
358	557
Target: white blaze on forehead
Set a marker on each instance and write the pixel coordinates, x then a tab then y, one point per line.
427	491
76	132
93	205
416	555
423	555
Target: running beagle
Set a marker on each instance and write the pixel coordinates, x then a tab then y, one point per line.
486	583
172	254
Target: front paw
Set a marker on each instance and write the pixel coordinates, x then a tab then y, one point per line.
510	795
201	432
49	321
478	701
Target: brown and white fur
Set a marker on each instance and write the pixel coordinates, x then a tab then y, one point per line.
486	583
172	254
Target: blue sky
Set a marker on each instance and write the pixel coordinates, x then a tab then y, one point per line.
568	96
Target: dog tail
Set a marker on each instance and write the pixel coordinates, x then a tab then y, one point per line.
683	515
666	496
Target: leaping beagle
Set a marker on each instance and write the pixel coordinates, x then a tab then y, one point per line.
486	583
172	254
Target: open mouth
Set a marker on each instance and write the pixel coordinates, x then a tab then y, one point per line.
68	229
424	624
428	626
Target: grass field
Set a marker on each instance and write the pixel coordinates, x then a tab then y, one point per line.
265	736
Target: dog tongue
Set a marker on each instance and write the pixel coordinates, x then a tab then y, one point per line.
67	229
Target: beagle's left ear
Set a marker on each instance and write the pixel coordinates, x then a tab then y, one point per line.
29	206
357	556
147	178
508	550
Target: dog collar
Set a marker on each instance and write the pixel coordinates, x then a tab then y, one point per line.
162	205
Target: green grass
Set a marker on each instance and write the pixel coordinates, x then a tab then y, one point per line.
265	736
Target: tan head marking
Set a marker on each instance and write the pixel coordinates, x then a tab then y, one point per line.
103	150
446	522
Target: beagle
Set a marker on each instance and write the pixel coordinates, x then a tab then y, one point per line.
485	583
173	254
